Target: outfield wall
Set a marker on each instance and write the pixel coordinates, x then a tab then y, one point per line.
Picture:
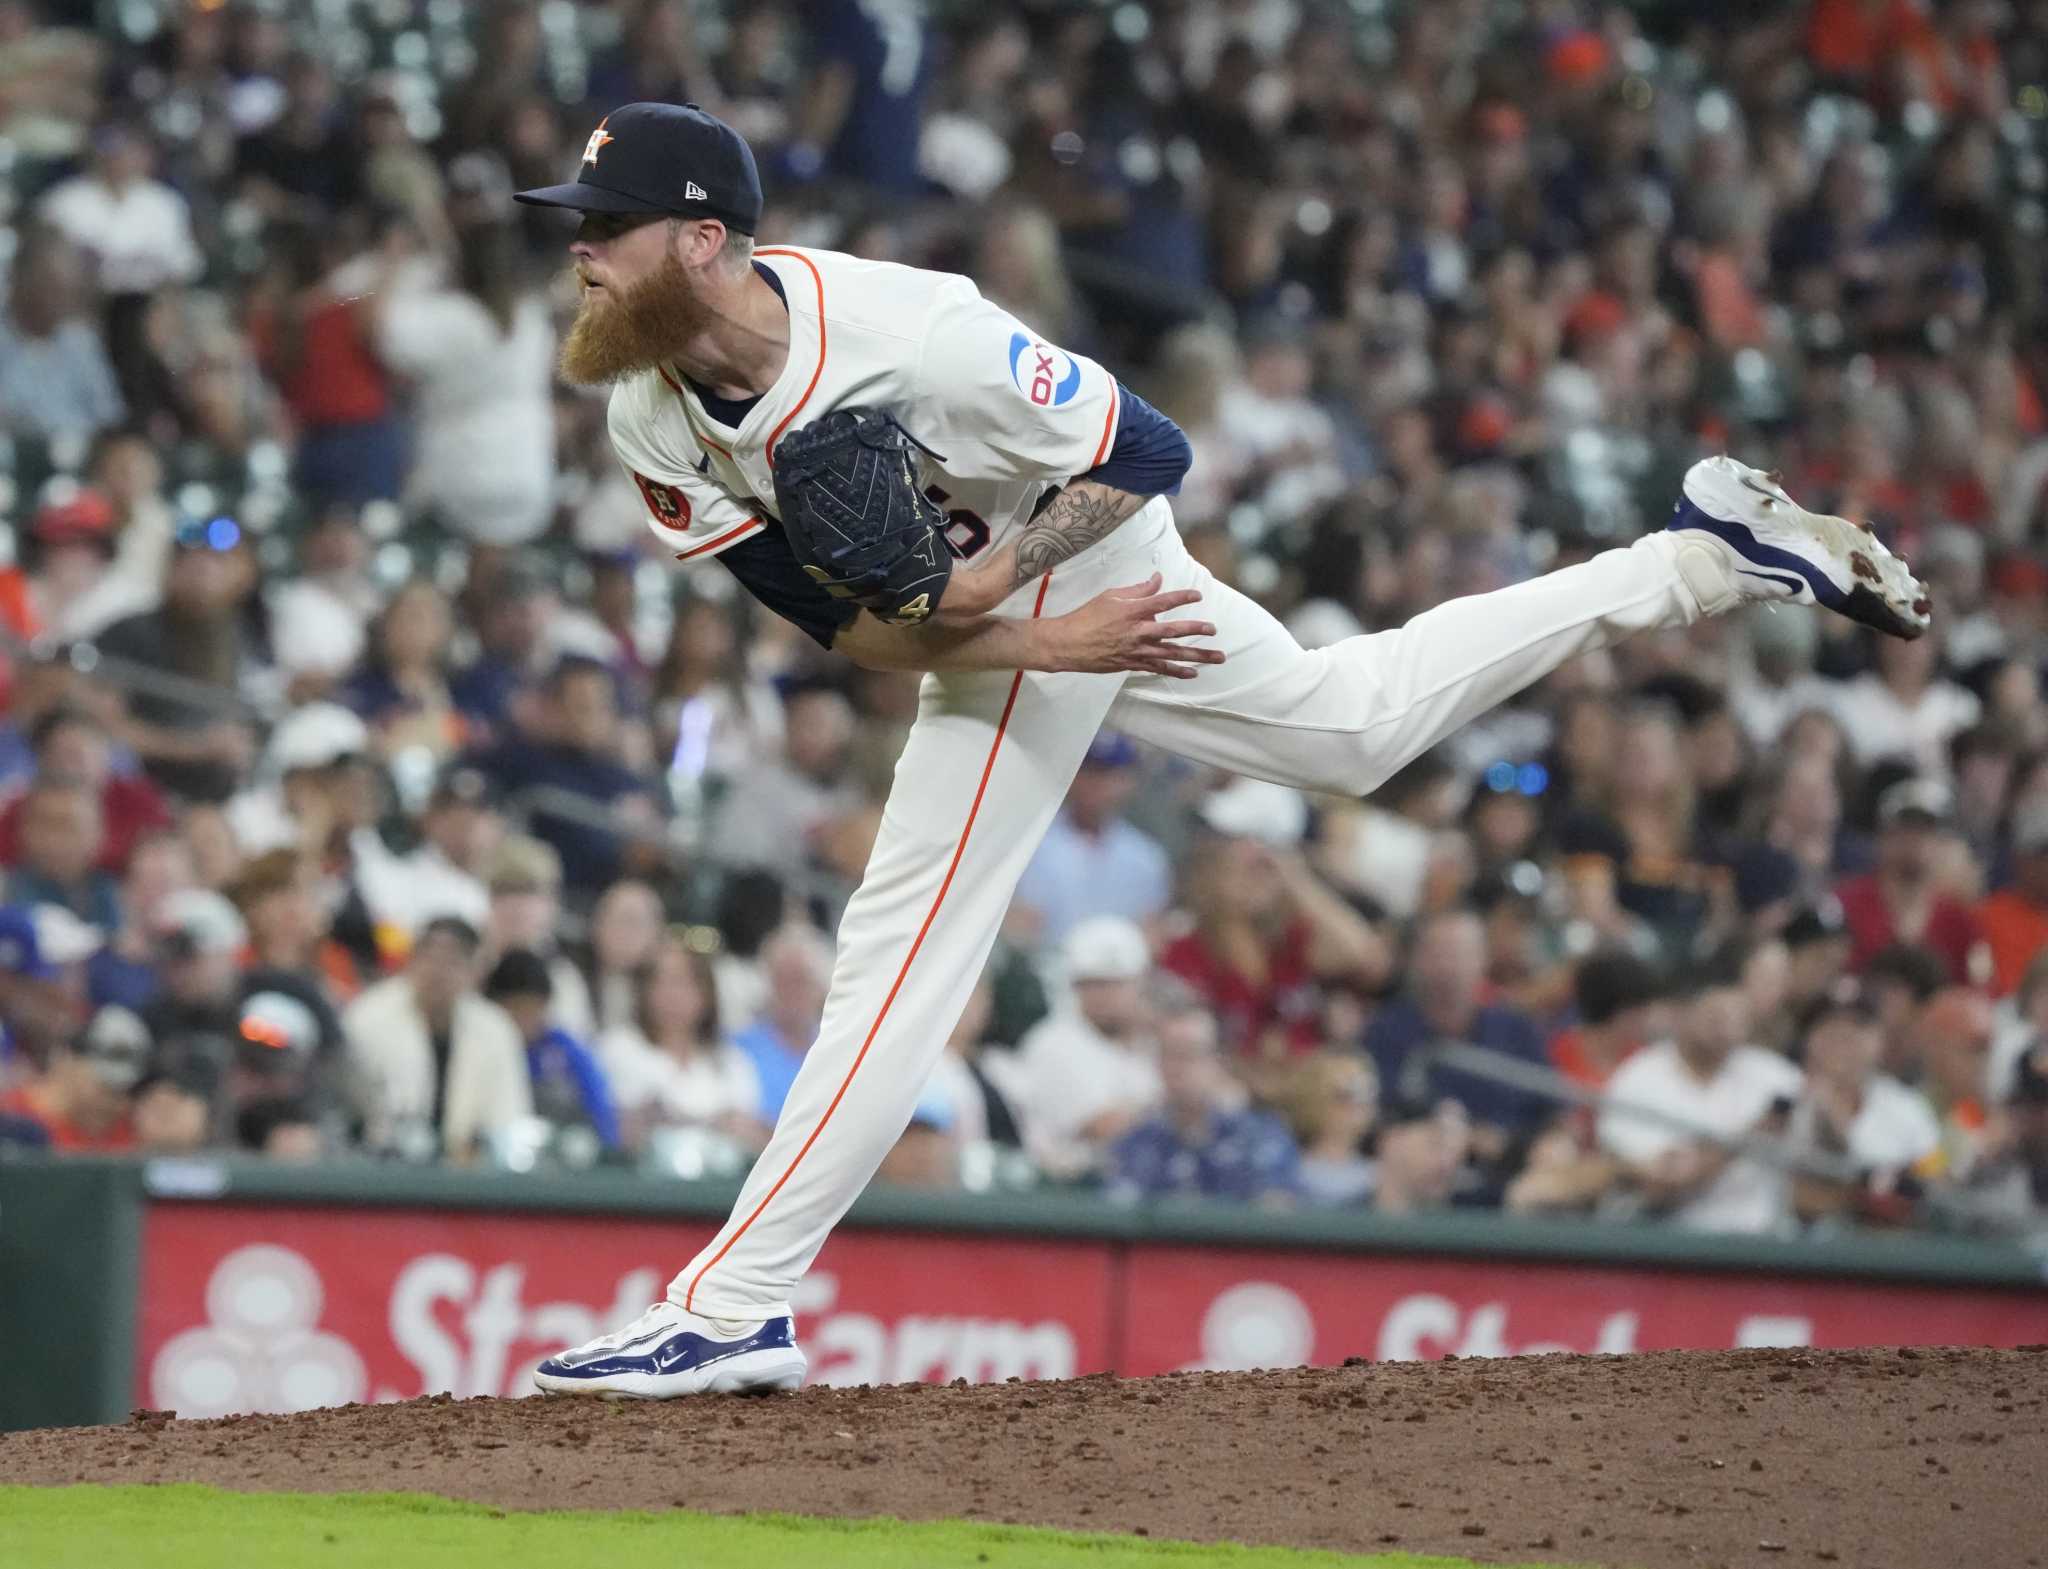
213	1286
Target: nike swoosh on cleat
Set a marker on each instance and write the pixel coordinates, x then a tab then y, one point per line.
1771	577
1763	490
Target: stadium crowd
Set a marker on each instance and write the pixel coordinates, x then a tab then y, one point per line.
377	787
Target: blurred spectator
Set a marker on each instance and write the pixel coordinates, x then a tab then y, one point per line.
278	895
438	1067
137	229
80	1097
670	1063
569	1088
1204	1140
209	634
1850	1109
1445	1006
1266	931
283	1130
1817	946
1333	1105
1092	862
796	964
460	831
526	912
1899	981
778	819
965	1082
1620	1005
71	744
314	339
62	840
481	358
625	927
171	1111
1083	1077
125	970
1419	1163
64	585
1903	708
1639	848
56	381
1954	1034
714	716
514	610
401	688
43	954
1676	1110
2014	920
1903	900
565	773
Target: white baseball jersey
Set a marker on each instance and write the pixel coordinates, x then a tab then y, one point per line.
992	752
1008	412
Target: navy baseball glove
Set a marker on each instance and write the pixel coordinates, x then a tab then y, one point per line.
857	517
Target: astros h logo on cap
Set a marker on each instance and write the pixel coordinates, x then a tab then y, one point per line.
597	140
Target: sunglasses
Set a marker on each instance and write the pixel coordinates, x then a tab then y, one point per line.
219	535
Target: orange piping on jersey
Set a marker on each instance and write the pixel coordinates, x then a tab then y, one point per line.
702	439
1108	426
959	849
776	434
723	539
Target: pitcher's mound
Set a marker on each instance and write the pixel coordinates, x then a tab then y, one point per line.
1860	1458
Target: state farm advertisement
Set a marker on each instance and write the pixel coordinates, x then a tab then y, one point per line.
267	1308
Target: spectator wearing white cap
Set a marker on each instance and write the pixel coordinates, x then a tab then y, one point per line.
1092	861
200	937
43	950
1083	1076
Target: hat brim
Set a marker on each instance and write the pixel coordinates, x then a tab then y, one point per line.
581	196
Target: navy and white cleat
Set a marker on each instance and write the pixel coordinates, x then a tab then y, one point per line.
666	1352
1770	548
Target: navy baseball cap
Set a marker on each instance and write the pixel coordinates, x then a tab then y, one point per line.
662	158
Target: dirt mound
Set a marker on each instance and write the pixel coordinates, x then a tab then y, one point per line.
1865	1458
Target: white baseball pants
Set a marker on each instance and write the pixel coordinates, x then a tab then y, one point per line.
987	765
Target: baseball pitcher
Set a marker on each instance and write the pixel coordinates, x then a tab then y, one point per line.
918	479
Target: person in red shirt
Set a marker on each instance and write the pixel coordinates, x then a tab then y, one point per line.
2015	919
69	743
1903	901
80	1098
1266	935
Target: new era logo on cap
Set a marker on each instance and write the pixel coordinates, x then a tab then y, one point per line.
693	192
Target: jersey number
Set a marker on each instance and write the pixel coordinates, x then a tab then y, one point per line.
671	508
965	533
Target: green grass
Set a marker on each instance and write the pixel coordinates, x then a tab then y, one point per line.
188	1527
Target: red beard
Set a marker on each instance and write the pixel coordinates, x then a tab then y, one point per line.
617	333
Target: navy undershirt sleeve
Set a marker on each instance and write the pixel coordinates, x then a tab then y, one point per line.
1151	456
767	568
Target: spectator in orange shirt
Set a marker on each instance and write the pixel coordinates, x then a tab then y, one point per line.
2015	919
80	1099
1621	1002
278	894
1955	1034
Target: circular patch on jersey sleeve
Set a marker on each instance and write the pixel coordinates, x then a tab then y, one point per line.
1047	376
671	508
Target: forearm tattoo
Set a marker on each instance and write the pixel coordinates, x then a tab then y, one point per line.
1072	521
